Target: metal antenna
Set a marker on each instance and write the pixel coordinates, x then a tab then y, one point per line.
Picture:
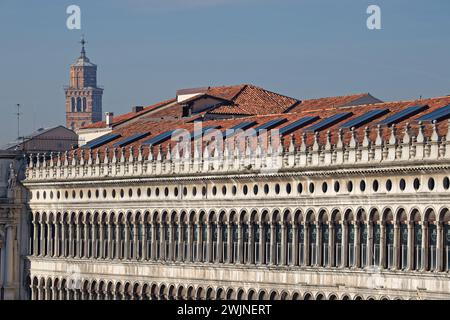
18	121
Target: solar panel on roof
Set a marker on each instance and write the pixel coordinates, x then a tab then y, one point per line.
365	118
404	114
329	122
101	141
159	138
298	124
437	115
241	126
269	125
133	138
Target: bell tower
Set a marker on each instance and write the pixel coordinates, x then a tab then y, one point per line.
83	97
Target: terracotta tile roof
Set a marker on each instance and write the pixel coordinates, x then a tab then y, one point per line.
252	100
157	127
243	99
333	102
128	116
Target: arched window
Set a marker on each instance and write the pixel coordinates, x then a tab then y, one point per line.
72	104
84	105
79	104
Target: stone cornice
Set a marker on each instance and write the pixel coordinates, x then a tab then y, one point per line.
335	171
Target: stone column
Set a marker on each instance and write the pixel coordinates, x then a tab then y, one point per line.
208	243
294	245
319	244
35	239
144	241
86	239
357	244
383	245
283	246
440	247
230	241
199	242
262	243
240	243
331	245
71	245
272	243
135	240
162	241
180	244
10	259
101	241
126	243
410	246
63	248
170	234
94	251
189	242
344	245
118	245
57	253
153	241
397	249
49	239
424	246
370	244
110	253
42	251
251	244
306	244
33	292
219	243
78	241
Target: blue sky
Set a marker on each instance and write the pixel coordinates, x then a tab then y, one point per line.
147	49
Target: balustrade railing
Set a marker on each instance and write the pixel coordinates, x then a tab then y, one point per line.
79	164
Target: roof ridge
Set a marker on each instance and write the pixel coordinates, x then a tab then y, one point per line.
342	96
273	92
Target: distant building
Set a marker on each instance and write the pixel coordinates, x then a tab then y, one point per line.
55	139
83	96
13	212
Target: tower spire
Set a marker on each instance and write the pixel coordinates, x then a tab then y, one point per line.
83	51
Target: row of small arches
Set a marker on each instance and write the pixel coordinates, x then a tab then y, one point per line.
72	289
275	215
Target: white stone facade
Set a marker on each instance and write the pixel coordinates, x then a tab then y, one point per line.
358	220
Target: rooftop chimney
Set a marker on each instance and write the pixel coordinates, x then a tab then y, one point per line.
109	118
136	109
